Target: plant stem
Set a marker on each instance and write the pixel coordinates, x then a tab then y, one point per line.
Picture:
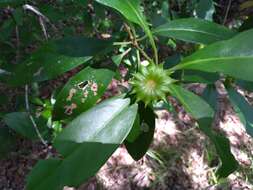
144	53
138	59
152	42
121	43
227	11
128	43
31	117
135	42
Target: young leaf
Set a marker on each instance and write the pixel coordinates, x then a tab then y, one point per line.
142	133
193	104
57	57
233	57
194	30
243	109
86	144
21	123
81	92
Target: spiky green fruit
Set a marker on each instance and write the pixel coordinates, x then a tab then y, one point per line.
151	84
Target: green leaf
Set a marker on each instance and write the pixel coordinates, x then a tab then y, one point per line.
247	85
81	92
205	9
75	46
194	76
210	95
172	60
243	109
194	30
222	146
21	123
193	104
6	30
18	16
57	57
128	8
85	145
3	99
233	57
5	3
135	131
142	133
117	59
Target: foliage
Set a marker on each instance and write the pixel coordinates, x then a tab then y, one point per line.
117	33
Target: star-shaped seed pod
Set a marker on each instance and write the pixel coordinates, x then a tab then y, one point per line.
151	84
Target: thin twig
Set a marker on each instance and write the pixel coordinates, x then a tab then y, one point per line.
130	42
135	43
26	91
227	11
144	53
42	20
43	27
31	117
122	43
17	45
138	59
39	14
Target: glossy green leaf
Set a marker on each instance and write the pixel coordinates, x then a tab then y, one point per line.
194	30
57	57
81	92
128	8
86	144
193	103
243	109
222	146
172	60
21	123
194	76
210	95
142	133
233	57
